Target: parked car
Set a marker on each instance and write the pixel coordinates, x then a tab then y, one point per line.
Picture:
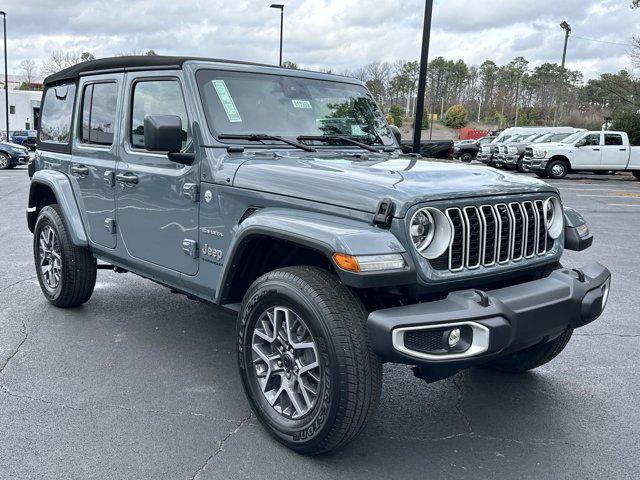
469	151
12	154
468	141
597	151
442	149
488	150
283	195
515	151
25	137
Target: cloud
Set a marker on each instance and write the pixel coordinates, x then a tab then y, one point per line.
335	34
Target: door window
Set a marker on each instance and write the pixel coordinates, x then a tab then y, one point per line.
592	140
156	97
99	101
57	110
612	139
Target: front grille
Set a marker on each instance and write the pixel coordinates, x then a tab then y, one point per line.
528	152
489	235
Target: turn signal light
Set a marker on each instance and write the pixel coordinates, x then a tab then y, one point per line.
346	262
369	263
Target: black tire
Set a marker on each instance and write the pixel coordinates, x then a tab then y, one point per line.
637	174
5	161
557	169
520	166
532	357
541	174
77	276
466	157
351	375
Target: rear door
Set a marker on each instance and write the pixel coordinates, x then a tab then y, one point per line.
589	155
94	155
157	199
615	154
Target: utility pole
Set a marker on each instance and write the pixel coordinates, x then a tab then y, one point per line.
422	77
281	8
6	76
479	108
442	109
567	30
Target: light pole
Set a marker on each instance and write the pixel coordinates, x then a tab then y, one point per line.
6	76
517	94
281	7
567	30
422	77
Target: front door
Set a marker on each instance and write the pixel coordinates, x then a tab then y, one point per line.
615	155
157	199
588	155
93	161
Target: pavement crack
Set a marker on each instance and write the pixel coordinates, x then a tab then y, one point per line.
17	283
25	335
455	379
221	444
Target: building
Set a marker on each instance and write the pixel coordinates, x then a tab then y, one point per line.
24	110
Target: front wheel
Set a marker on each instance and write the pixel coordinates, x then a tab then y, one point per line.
66	273
5	161
466	157
637	174
532	357
557	169
520	165
304	358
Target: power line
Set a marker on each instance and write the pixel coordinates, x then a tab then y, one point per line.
604	41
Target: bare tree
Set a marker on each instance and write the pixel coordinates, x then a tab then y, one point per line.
60	59
136	52
29	70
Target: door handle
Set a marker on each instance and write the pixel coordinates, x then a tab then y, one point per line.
596	149
80	170
623	149
127	178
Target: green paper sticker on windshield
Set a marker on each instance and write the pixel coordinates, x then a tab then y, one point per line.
227	101
301	103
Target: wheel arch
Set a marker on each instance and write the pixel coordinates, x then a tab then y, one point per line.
49	187
277	238
562	158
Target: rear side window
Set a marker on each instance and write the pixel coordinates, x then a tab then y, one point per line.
57	112
156	97
99	101
612	139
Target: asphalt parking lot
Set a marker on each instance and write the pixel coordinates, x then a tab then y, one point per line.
142	384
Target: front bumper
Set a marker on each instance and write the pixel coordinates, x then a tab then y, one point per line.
484	157
502	321
511	160
534	164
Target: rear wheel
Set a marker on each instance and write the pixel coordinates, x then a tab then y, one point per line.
520	165
557	169
637	174
306	366
541	174
532	357
67	274
5	161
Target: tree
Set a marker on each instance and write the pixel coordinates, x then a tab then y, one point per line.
456	117
151	53
628	120
290	64
59	59
86	56
397	113
29	70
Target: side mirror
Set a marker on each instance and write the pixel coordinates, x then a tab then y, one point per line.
581	143
163	133
396	133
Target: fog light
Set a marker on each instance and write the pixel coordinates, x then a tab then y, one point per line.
454	337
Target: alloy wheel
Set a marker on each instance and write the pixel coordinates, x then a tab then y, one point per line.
49	257
286	362
4	161
557	169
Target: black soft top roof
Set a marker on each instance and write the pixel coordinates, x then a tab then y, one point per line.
137	62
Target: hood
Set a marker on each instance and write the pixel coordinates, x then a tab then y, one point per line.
360	182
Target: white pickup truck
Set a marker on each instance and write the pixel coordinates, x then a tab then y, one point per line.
595	151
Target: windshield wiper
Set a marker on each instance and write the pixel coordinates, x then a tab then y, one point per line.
336	138
259	137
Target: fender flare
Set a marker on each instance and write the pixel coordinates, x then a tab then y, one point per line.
60	185
326	234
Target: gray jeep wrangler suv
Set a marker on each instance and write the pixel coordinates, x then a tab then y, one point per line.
283	195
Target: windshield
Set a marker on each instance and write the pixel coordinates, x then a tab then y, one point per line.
241	103
557	137
572	138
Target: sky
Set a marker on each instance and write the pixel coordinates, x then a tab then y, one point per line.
327	34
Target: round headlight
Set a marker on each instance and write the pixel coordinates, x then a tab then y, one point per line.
430	232
553	217
422	229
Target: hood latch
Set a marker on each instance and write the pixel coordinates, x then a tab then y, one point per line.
384	213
